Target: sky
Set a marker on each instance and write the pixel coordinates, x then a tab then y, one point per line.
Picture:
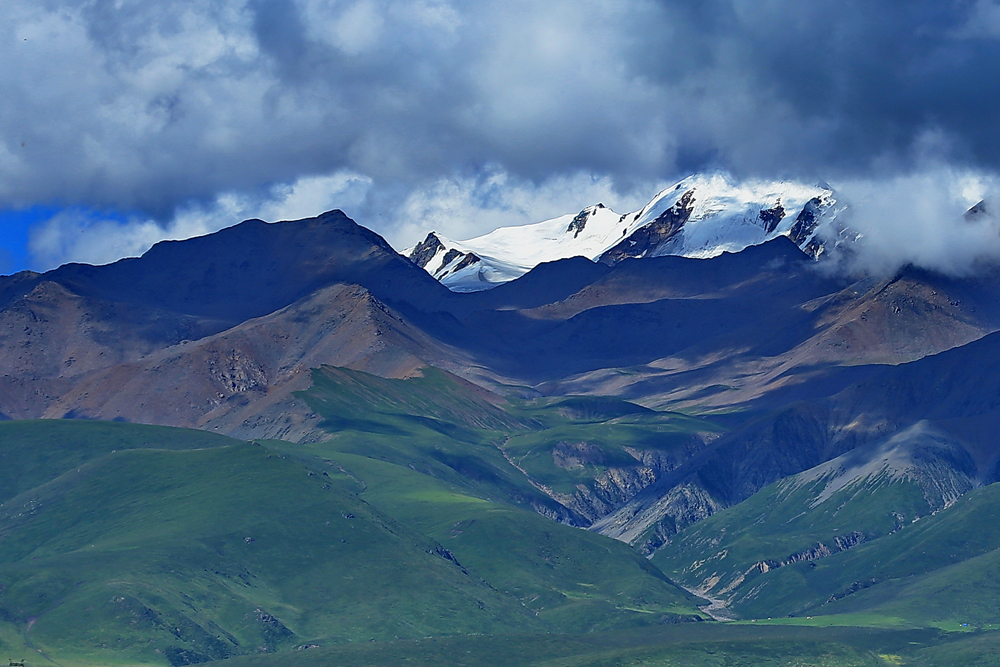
124	122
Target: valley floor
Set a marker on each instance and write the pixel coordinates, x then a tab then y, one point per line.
689	645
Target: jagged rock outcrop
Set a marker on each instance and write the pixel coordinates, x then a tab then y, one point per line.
653	236
821	550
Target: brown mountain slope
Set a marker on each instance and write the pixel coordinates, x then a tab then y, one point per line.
215	331
52	332
240	381
776	333
78	317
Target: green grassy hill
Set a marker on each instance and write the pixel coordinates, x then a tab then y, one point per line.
423	516
444	464
774	555
35	452
567	458
122	543
942	570
181	556
572	579
730	554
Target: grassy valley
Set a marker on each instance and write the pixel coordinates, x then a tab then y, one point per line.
129	544
442	468
883	547
431	524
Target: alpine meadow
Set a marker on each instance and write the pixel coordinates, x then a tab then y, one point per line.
552	334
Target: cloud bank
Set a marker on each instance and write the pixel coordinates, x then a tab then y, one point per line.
922	218
173	116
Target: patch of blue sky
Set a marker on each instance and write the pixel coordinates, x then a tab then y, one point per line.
20	227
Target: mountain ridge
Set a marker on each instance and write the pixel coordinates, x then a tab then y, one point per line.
750	406
701	216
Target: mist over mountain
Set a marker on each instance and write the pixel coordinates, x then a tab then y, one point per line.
936	220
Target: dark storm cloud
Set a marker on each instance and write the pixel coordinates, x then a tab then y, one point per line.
829	86
145	107
875	76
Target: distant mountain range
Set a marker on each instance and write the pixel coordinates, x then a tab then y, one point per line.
701	216
691	386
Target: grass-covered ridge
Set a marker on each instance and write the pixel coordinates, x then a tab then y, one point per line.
533	453
134	544
465	487
431	511
729	554
868	554
35	452
181	556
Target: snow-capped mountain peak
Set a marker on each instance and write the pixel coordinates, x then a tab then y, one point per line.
701	216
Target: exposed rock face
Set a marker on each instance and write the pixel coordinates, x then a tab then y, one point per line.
652	236
677	509
630	501
610	490
424	251
579	223
653	516
806	221
770	217
570	455
237	373
242	381
467	261
448	258
617	484
821	550
451	260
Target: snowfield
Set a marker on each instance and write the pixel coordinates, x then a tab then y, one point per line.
701	216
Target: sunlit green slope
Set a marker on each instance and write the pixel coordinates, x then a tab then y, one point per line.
879	550
124	543
189	555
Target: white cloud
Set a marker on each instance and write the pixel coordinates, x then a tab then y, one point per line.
916	218
457	208
169	110
358	27
313	195
919	218
462	208
76	235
